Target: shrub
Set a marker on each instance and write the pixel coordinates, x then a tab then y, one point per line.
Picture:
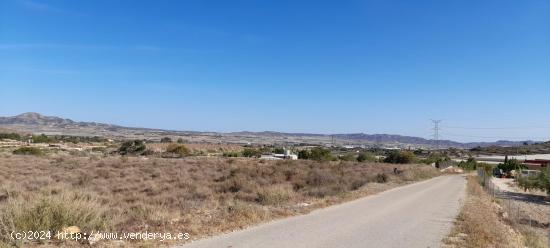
382	178
540	181
166	140
318	177
544	180
279	150
180	150
180	141
42	139
53	212
132	147
12	136
317	153
347	157
275	195
435	158
400	157
527	183
470	164
303	154
509	165
27	150
249	152
231	154
366	157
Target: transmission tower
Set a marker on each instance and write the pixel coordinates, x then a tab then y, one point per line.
436	132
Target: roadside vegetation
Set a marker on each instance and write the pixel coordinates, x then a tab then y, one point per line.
28	151
201	196
541	181
480	223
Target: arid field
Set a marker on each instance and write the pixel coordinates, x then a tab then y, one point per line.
199	196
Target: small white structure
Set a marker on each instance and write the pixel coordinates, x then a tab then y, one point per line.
287	155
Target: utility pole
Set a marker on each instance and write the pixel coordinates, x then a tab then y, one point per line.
436	132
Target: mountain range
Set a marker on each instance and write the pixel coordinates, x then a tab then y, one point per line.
52	125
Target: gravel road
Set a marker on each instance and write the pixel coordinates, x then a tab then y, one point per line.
416	215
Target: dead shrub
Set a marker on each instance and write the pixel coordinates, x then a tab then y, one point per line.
381	178
275	195
52	211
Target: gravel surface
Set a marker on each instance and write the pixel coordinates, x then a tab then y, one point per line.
417	215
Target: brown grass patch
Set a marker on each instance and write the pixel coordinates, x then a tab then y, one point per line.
480	224
201	196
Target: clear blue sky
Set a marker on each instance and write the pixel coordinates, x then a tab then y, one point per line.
295	66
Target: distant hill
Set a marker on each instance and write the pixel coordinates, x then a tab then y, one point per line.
37	123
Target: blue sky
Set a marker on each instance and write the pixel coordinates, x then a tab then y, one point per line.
294	66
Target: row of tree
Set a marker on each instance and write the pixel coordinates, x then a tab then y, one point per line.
42	138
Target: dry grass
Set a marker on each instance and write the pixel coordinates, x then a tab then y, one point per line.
198	148
201	196
480	223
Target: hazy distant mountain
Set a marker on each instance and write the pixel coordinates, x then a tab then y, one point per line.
34	119
37	123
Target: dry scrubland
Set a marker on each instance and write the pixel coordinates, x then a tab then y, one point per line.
194	195
483	223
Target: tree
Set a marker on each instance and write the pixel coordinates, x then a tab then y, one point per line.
510	164
279	150
400	157
320	154
251	152
180	141
303	154
166	140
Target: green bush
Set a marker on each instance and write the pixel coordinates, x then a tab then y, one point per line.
231	154
509	165
317	153
400	157
279	150
435	158
470	164
12	136
544	180
27	150
366	157
250	152
132	147
42	139
540	181
166	140
347	157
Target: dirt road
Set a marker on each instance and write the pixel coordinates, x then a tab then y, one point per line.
416	215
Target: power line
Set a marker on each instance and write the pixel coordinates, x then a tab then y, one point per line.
497	137
436	132
498	128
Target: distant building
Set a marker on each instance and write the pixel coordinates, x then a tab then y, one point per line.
536	164
287	155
